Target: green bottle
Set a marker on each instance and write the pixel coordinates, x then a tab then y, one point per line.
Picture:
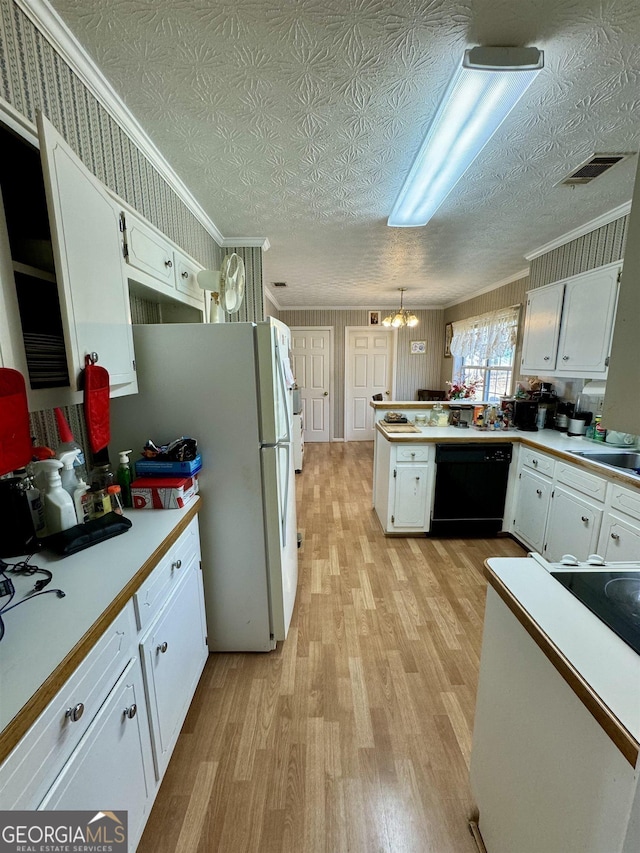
125	476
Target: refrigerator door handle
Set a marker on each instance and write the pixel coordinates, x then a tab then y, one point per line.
283	390
285	502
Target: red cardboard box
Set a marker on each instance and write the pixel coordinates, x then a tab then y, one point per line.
163	492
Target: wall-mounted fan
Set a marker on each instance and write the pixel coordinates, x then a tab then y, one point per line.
226	287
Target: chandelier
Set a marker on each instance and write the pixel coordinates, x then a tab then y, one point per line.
402	317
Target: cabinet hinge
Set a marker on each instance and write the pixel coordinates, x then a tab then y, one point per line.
123	231
134	365
394	473
619	278
553	493
520	475
393	519
606	361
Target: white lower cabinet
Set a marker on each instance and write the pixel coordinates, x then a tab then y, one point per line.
403	486
620	534
105	739
410	503
531	508
173	653
558	507
573	526
112	768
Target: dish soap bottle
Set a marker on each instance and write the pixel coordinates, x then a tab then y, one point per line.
59	511
124	476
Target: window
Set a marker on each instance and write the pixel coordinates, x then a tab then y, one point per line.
484	350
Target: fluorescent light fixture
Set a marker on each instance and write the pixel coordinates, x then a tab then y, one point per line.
483	91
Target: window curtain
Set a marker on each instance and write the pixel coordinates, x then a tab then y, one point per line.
486	336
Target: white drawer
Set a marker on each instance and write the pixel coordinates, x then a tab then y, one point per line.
186	277
164	578
412	453
29	770
537	461
581	480
624	500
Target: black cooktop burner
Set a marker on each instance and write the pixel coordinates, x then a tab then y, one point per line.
614	597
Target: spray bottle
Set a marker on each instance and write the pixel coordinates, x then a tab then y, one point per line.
68	472
125	476
59	511
67	442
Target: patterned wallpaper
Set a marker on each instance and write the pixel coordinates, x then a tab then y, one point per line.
602	246
412	371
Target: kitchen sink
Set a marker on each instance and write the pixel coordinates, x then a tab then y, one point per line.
627	460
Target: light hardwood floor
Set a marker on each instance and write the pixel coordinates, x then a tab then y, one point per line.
355	734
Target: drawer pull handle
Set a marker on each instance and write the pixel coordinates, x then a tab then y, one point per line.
184	274
539	492
162	647
177	564
131	711
585	519
534	461
75	713
168	264
615	536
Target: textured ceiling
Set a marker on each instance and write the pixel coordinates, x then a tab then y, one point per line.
298	120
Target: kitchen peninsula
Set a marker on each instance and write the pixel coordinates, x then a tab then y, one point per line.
595	507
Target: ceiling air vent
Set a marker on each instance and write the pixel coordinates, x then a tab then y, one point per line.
279	283
591	169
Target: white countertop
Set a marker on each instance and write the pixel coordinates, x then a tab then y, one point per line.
40	633
547	439
608	665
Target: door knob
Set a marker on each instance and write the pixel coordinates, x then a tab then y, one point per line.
162	647
131	711
326	394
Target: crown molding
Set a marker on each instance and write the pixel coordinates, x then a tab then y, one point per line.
598	222
246	243
376	307
523	273
54	29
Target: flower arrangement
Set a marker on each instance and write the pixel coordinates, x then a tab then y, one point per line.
462	390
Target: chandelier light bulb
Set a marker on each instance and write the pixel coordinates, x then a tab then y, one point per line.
402	317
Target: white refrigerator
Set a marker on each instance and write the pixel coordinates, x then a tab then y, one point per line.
229	386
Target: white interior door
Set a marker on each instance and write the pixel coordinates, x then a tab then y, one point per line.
369	370
311	352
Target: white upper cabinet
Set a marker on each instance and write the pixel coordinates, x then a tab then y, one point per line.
542	328
147	251
568	325
86	247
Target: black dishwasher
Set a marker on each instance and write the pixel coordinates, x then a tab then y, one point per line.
471	485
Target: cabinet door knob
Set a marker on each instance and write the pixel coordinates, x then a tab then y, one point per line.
585	519
162	647
546	358
184	274
75	713
131	711
177	564
615	536
539	492
168	264
565	358
534	461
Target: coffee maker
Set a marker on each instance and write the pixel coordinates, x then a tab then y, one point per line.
17	535
525	413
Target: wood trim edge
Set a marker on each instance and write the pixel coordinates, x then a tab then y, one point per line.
31	710
610	724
